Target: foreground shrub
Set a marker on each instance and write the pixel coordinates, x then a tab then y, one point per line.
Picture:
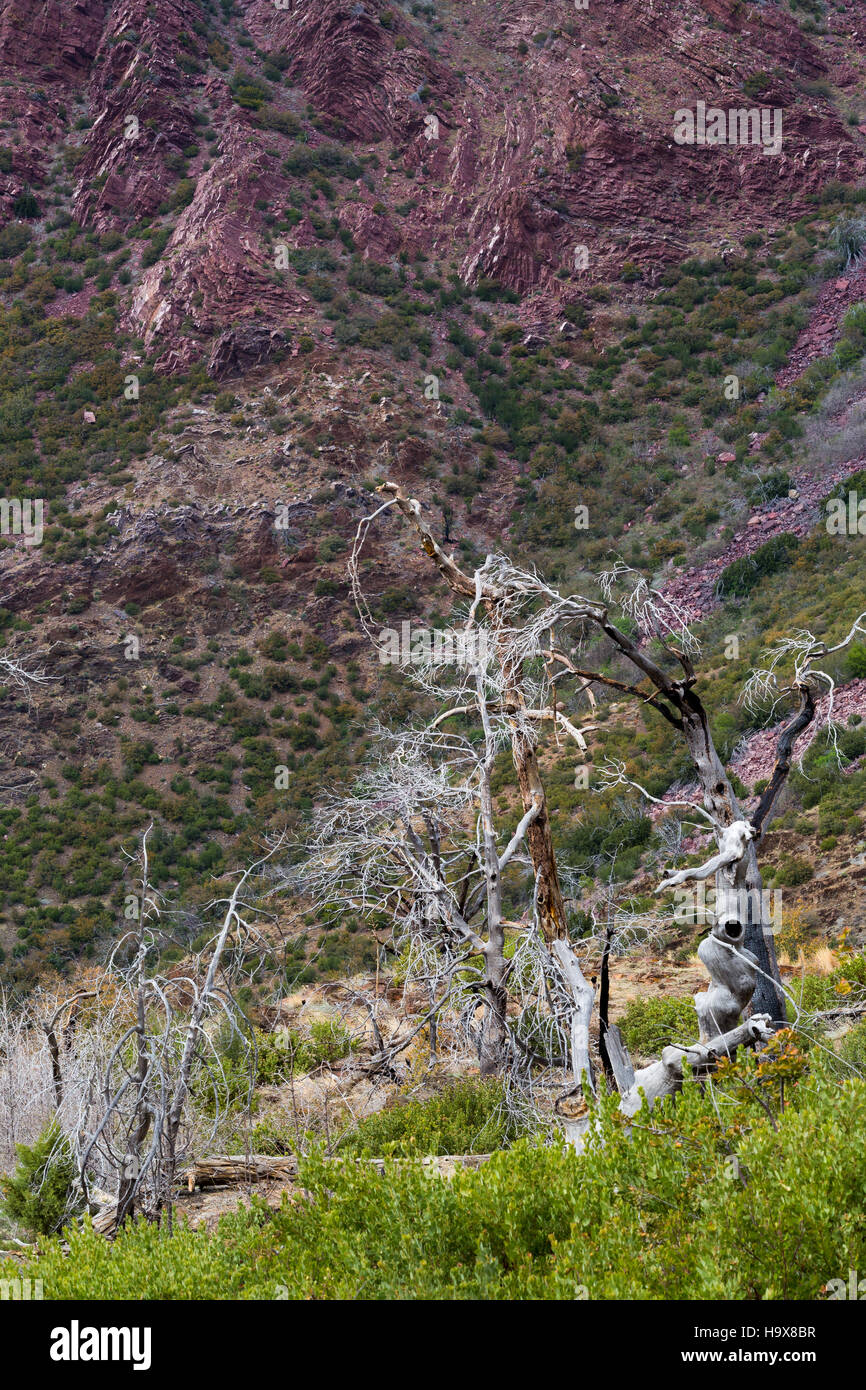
655	1211
467	1117
40	1193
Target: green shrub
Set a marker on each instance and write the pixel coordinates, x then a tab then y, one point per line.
25	206
330	1041
649	1212
650	1024
817	992
856	660
757	83
740	578
13	239
155	247
467	1117
848	241
40	1193
852	1048
324	159
793	871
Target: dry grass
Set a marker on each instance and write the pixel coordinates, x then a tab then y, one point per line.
818	961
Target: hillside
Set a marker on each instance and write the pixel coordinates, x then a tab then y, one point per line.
321	321
239	266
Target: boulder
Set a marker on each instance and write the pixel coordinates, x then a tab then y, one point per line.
238	349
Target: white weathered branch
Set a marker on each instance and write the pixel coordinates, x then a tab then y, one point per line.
732	848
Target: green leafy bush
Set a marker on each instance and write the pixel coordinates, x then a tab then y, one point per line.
650	1024
793	871
856	660
647	1212
740	578
467	1117
816	992
852	1048
40	1193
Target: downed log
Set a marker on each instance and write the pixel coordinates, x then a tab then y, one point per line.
225	1170
230	1169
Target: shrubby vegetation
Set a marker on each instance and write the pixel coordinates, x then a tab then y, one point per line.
650	1024
40	1194
468	1117
650	1211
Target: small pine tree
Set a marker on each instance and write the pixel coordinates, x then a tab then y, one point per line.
40	1193
25	206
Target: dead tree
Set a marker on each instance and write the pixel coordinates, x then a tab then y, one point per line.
531	620
151	1039
418	842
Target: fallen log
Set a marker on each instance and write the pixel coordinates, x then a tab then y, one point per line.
235	1170
225	1170
228	1170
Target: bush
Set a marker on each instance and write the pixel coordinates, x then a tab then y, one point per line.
324	159
13	239
40	1194
741	577
793	871
852	1048
856	660
648	1212
817	992
468	1117
25	206
848	241
329	1041
650	1024
155	247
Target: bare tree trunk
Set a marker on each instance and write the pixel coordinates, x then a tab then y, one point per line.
129	1178
583	995
738	886
768	997
494	1030
604	1004
551	908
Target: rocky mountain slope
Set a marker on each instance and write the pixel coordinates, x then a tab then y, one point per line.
255	258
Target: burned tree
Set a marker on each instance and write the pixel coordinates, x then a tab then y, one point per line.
404	847
149	1043
531	620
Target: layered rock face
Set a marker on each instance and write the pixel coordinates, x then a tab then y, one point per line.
533	142
50	41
